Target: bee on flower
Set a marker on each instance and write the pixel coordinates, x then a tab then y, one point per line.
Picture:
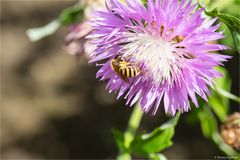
167	42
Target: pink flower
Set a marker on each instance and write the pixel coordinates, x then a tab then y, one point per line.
168	41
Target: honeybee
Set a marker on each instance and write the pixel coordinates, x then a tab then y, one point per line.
124	68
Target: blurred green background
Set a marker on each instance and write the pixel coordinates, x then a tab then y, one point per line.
53	107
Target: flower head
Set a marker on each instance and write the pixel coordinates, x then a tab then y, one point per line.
168	41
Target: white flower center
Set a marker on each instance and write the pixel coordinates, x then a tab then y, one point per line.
158	56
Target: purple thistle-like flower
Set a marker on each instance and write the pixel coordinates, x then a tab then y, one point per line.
168	41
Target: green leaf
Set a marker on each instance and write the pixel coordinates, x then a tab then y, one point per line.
157	140
224	82
218	102
237	2
155	143
232	22
210	129
207	120
192	117
236	36
119	139
220	108
227	19
219	99
71	15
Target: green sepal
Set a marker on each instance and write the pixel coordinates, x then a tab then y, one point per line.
71	15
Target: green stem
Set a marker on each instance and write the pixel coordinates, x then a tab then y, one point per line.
227	94
130	132
217	139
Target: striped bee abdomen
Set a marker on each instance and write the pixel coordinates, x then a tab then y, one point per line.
124	68
129	71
